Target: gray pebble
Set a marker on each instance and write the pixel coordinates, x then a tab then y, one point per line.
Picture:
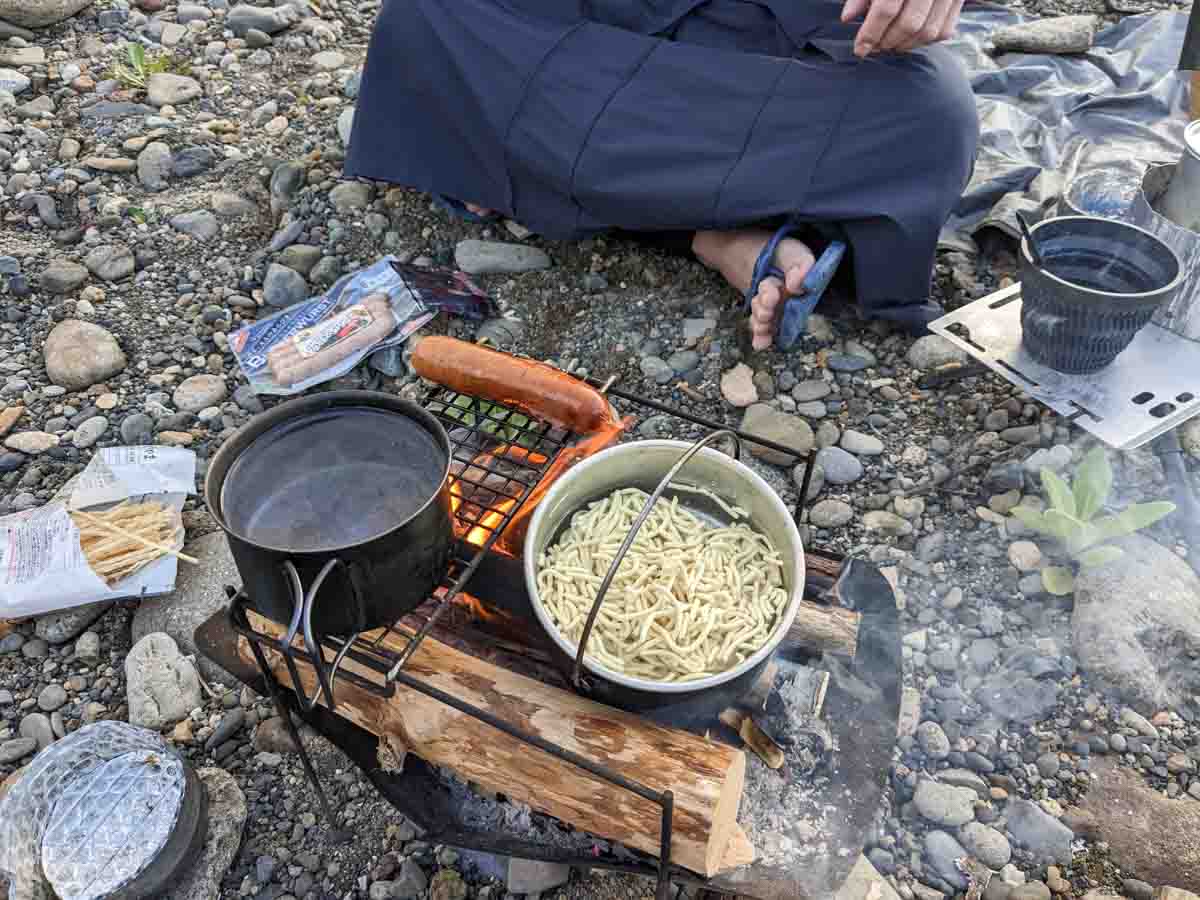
840	466
52	697
988	845
16	749
830	514
808	391
933	740
861	444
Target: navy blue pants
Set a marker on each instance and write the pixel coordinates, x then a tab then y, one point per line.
581	116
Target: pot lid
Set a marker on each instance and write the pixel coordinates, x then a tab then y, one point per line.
112	824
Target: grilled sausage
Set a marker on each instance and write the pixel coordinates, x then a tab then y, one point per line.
533	388
324	345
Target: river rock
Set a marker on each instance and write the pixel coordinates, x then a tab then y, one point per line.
830	514
244	18
58	628
40	13
738	388
111	262
37	726
934	351
283	286
986	844
495	258
770	424
62	276
944	804
80	354
1136	625
350	197
199	392
1044	836
1150	837
89	432
31	442
162	686
168	89
1057	34
943	852
16	749
199	592
861	444
841	467
226	819
199	224
887	523
154	166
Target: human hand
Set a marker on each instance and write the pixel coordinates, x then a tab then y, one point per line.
901	25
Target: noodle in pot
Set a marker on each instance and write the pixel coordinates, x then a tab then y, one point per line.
689	600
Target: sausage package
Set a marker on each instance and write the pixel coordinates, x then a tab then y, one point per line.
328	335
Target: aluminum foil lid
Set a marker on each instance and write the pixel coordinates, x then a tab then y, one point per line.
112	824
26	809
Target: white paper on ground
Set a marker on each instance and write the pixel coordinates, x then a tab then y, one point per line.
42	567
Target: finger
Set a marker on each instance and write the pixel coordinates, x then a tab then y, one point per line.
879	17
906	28
951	23
855	9
942	11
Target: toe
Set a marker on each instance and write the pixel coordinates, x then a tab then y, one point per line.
795	279
764	311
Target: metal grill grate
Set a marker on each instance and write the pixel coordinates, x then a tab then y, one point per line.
499	458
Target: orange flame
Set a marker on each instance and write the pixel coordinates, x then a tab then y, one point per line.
486	517
490	515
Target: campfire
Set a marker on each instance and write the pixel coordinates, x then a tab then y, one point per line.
688	791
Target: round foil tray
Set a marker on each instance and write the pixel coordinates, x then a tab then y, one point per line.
125	829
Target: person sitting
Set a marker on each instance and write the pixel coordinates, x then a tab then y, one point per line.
751	133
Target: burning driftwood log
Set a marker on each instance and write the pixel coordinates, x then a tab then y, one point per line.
706	777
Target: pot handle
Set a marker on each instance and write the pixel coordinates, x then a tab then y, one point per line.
735	442
302	605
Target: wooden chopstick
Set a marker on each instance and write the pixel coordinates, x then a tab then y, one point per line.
163	548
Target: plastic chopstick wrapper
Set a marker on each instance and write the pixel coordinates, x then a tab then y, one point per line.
43	567
365	313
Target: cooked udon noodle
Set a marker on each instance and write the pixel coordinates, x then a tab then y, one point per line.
689	600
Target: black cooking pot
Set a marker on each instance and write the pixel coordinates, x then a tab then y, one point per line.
337	509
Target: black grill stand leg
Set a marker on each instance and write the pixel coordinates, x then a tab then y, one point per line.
285	713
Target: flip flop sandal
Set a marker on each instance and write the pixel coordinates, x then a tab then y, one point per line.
798	307
459	210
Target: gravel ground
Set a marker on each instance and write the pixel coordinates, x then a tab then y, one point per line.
165	227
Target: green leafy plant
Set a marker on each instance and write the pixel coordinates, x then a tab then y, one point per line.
137	68
498	421
1073	520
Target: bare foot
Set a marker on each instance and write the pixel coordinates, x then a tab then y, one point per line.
478	210
734	253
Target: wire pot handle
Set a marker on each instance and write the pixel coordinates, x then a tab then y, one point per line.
711	437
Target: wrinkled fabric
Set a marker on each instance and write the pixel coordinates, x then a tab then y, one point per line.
580	116
1046	119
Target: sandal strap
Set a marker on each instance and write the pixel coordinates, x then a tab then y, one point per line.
764	266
